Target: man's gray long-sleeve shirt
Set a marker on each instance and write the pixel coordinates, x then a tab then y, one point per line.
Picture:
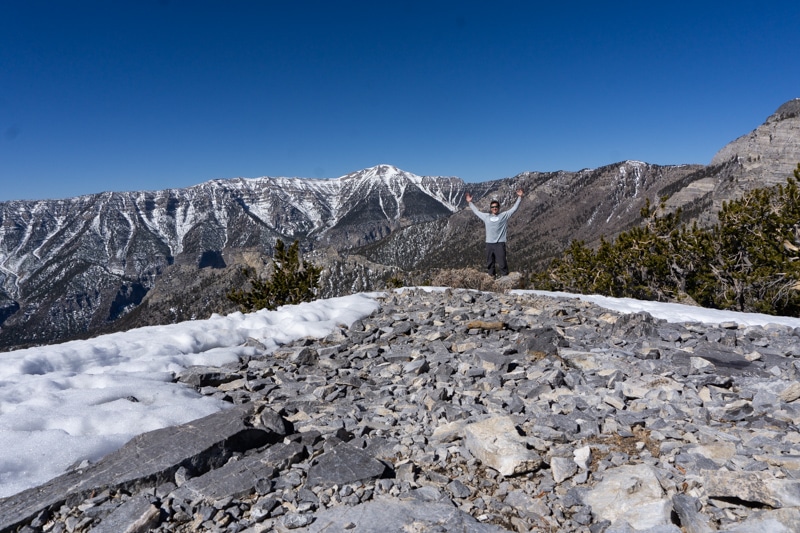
496	225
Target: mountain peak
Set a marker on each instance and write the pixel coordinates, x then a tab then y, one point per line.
790	109
383	171
768	154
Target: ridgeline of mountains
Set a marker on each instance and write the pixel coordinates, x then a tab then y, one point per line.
103	262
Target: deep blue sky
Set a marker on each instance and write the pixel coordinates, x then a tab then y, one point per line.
147	94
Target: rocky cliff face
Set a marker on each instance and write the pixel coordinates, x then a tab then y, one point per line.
768	154
764	157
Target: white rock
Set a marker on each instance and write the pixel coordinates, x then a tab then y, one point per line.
583	457
614	402
720	451
496	443
698	363
631	494
638	387
770	521
752	356
790	393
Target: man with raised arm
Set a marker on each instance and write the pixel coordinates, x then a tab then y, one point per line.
496	229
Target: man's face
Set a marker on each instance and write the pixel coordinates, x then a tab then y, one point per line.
494	207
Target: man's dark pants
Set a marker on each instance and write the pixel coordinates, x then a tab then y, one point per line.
496	258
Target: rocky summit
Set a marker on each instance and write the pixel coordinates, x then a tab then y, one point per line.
459	410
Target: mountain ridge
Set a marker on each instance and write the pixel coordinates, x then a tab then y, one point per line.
72	267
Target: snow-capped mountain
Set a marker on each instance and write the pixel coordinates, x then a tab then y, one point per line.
81	265
72	265
558	207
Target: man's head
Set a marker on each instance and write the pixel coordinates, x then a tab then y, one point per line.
494	206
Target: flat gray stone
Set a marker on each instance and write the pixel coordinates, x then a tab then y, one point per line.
207	376
726	362
342	464
136	515
777	521
759	487
147	460
562	468
236	479
387	514
492	361
639	387
687	509
542	342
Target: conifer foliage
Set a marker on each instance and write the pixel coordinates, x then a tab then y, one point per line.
749	261
293	281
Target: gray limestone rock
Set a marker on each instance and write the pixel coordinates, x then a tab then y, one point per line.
147	460
235	479
777	521
752	487
384	515
758	154
207	376
562	468
688	511
273	422
435	414
632	494
635	326
791	392
137	515
496	443
344	463
542	342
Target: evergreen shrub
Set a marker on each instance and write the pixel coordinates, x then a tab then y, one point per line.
293	281
748	261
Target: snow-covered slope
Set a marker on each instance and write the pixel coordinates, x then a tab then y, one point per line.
75	264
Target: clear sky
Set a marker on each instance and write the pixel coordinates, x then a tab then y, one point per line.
147	94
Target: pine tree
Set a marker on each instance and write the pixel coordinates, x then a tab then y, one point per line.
757	249
749	261
293	281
